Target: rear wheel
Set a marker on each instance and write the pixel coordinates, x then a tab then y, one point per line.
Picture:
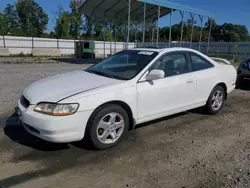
216	100
107	126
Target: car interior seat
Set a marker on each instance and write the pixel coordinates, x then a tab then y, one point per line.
168	66
182	67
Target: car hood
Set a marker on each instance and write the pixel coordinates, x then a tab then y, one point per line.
56	88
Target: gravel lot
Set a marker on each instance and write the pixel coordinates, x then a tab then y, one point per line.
15	77
188	150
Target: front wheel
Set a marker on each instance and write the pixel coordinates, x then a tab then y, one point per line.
107	126
216	100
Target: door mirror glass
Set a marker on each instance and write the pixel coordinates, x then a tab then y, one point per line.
155	75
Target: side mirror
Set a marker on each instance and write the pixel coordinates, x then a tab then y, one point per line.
155	75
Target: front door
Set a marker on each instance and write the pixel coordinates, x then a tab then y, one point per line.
168	95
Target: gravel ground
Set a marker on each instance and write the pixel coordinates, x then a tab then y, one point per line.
188	150
14	78
43	60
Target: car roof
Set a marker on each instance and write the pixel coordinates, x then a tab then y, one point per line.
164	50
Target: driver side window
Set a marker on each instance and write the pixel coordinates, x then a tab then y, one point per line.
172	64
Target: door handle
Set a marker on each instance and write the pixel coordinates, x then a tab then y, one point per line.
190	81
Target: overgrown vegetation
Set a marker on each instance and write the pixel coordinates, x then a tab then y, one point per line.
27	18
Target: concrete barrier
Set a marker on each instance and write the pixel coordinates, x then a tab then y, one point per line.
4	52
46	52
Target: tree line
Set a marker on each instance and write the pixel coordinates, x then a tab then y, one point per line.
27	18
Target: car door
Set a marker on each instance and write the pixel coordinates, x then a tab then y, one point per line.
174	93
205	75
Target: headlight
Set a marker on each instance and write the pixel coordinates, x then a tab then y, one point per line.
53	109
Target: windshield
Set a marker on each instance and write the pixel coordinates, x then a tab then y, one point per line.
124	65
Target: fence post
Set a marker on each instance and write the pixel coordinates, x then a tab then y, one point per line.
32	42
92	49
192	30
110	47
75	48
115	40
4	45
209	34
104	52
104	43
81	49
57	41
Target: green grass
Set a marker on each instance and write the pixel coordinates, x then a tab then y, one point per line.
235	63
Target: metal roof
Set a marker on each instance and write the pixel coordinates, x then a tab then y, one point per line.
177	6
118	9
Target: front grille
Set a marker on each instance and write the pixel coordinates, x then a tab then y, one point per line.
24	102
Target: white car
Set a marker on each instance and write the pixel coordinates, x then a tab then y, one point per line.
102	103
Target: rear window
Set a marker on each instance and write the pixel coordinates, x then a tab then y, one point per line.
199	63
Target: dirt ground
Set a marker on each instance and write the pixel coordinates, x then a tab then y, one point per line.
188	150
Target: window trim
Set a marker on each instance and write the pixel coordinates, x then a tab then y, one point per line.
204	59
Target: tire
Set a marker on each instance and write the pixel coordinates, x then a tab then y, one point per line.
102	129
239	82
214	105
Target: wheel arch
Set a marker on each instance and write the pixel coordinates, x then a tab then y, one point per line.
224	86
122	104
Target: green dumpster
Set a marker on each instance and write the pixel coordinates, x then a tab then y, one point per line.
85	49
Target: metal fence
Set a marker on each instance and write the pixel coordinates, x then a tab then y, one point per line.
25	45
228	50
104	49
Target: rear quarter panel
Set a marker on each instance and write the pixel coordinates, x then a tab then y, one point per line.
227	75
206	81
221	73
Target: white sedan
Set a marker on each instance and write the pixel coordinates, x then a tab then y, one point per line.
101	104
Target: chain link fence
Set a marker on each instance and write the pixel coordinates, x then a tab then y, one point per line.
233	51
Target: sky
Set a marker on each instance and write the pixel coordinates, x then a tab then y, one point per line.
233	11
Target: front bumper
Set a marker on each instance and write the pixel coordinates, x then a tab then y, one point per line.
63	129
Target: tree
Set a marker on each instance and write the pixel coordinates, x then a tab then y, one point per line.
62	28
227	32
212	23
27	18
12	20
75	18
32	19
49	35
88	26
108	36
3	24
234	33
97	27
